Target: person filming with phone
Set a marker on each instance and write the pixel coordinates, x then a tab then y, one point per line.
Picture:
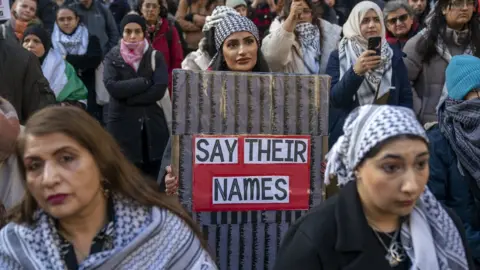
365	69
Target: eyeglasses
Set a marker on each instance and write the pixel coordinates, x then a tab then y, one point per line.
401	19
462	3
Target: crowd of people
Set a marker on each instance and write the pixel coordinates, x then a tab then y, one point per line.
85	127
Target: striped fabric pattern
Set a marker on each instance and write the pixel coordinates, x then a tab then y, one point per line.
146	238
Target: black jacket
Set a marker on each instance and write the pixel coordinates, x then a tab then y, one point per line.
86	64
22	80
336	235
133	105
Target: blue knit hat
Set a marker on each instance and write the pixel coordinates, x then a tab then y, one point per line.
462	76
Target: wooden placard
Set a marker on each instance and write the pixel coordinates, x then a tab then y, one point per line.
232	103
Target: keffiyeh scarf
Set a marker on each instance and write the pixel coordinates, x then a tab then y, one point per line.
144	236
74	44
380	78
309	38
459	122
458	38
353	44
218	14
429	227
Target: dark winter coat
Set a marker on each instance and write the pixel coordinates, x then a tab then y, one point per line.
86	64
133	104
460	193
342	91
336	235
22	80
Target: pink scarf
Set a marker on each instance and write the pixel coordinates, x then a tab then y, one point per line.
132	53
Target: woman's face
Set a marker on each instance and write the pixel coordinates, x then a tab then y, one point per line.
242	10
393	180
33	44
475	93
240	51
370	26
62	176
25	10
458	13
418	6
133	33
399	23
306	15
150	10
67	21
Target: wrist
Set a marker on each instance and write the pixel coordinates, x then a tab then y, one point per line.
358	73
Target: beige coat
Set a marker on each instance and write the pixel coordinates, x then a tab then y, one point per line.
427	79
283	53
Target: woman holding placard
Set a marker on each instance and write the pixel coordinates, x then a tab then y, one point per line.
384	217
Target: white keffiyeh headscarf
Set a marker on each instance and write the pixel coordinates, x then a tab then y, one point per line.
309	38
353	44
74	44
429	227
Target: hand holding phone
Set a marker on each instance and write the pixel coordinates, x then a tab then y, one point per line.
367	61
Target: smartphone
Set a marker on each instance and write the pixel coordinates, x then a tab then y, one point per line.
375	44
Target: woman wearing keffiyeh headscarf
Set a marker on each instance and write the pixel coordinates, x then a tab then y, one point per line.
455	147
384	217
361	76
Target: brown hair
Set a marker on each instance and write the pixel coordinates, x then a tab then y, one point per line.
123	177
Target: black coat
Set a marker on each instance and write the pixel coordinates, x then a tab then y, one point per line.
336	235
86	64
133	105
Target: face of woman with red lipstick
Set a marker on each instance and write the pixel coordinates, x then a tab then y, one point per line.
240	51
391	181
61	175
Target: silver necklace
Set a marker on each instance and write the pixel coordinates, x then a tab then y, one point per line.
395	252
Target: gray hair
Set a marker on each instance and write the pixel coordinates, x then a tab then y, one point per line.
392	6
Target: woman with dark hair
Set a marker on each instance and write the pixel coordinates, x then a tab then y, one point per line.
453	29
384	217
136	77
201	58
72	40
299	41
162	34
361	76
87	207
238	46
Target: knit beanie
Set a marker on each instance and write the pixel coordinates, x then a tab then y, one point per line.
235	3
133	18
41	33
462	76
218	14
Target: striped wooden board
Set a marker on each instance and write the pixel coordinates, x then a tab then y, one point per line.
226	103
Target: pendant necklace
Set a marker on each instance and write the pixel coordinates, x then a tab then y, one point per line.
395	252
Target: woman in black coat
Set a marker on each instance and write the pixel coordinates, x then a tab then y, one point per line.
384	217
135	86
71	38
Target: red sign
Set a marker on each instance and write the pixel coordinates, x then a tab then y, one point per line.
246	173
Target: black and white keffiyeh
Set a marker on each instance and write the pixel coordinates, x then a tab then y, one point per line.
230	25
353	44
74	44
218	14
309	37
429	227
